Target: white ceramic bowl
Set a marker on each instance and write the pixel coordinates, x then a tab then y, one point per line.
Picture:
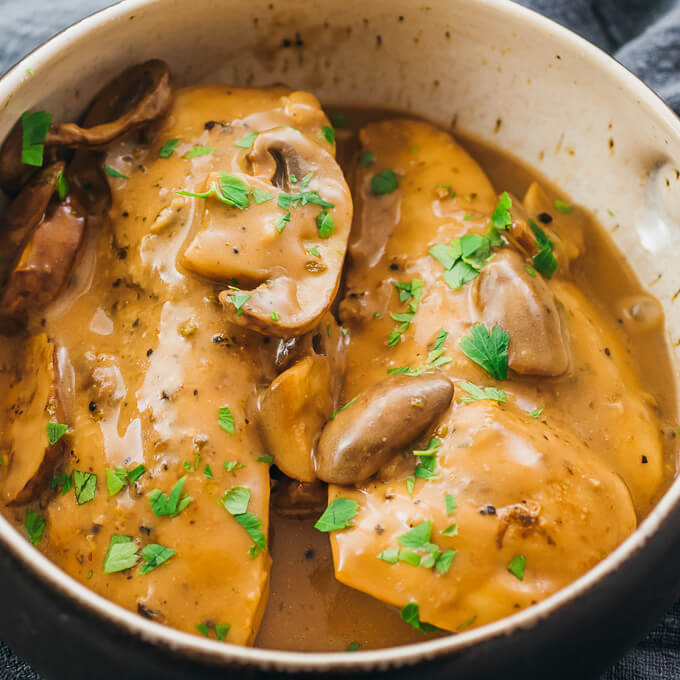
566	108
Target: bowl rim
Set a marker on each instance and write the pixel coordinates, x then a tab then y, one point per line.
193	647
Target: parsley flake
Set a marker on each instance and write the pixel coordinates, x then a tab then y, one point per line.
199	150
34	128
337	515
411	615
265	459
501	218
62	185
416	537
325	224
247	141
450	502
451	530
85	486
391	555
172	505
66	482
115	480
281	222
121	555
384	182
112	172
367	158
236	500
154	555
226	419
238	301
35	526
260	195
232	465
55	431
168	148
477	393
562	206
517	565
489	350
328	134
353	646
208	472
221	631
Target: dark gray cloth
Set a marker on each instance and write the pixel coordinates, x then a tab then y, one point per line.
643	34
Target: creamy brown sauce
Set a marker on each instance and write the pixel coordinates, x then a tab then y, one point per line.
150	343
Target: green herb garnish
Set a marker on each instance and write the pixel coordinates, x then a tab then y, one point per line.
328	134
384	182
34	128
517	565
62	185
121	555
226	419
411	615
55	431
247	141
172	505
489	350
450	502
112	172
260	195
477	393
337	515
199	150
562	206
536	413
85	486
168	148
35	526
154	555
367	158
325	224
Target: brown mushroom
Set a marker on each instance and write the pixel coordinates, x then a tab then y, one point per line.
44	264
382	420
24	213
287	251
31	402
507	295
136	97
293	411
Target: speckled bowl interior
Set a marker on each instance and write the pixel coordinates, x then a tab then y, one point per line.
488	67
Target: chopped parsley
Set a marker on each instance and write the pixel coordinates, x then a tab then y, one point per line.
531	271
136	473
208	472
203	629
476	393
463	258
411	615
325	224
85	486
34	128
232	465
281	222
112	172
353	646
391	555
501	218
115	480
384	182
168	148
260	195
562	206
328	134
55	431
517	565
314	251
247	141
199	150
238	301
275	316
450	502
411	292
435	358
544	261
226	420
451	530
416	537
35	526
221	631
265	459
236	500
230	190
154	555
367	158
66	482
172	505
62	185
489	350
337	515
342	408
121	555
536	413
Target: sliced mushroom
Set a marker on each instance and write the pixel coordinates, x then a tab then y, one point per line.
287	266
44	265
505	294
27	209
31	402
383	419
136	97
293	411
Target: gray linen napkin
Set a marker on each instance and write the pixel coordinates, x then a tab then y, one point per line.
642	34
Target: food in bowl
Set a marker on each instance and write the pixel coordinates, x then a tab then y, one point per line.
409	400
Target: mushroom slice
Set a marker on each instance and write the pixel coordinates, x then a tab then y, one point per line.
293	410
377	424
134	98
27	209
44	265
505	294
31	403
286	245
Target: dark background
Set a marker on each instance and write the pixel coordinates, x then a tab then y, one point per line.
643	34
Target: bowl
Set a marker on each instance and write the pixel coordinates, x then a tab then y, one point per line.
494	70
